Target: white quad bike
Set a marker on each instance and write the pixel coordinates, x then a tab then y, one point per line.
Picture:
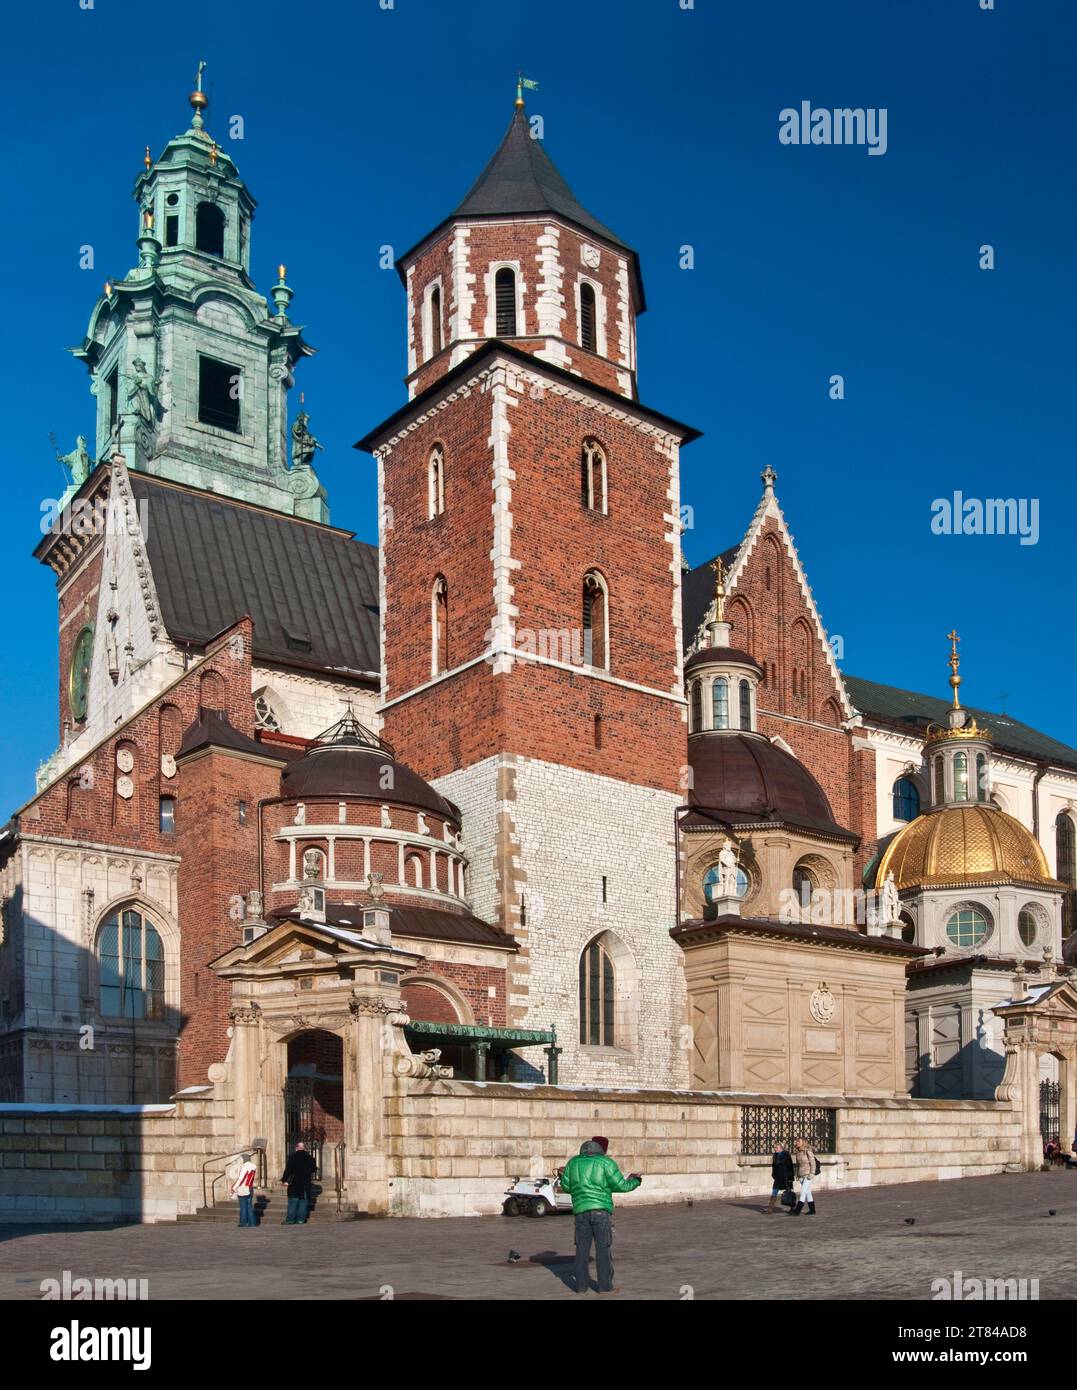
535	1197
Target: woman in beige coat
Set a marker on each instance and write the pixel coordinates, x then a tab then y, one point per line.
804	1159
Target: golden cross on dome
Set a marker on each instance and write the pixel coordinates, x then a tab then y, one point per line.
719	589
953	663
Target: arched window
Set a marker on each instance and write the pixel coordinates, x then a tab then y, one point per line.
961	777
413	870
265	716
209	229
967	927
435	321
745	704
436	482
940	789
697	707
908	928
1066	868
597	994
595	622
981	777
439	624
588	319
131	965
906	799
720	703
804	885
505	303
593	476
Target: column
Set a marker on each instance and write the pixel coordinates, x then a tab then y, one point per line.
331	864
434	869
1067	1102
366	857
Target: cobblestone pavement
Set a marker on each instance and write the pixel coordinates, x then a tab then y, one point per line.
859	1246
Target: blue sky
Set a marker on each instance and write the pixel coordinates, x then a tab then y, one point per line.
364	126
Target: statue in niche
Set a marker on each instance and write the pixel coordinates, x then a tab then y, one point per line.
889	902
142	394
727	870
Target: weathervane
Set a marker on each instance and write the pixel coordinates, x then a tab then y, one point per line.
719	589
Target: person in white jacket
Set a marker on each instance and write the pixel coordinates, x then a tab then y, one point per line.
243	1188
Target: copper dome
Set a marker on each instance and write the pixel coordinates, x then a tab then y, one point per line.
348	760
746	777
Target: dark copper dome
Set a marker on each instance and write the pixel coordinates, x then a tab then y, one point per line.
709	656
348	760
745	777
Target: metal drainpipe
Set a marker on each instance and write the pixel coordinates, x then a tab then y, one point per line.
266	801
677	811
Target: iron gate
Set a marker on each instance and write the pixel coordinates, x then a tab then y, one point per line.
299	1126
1049	1112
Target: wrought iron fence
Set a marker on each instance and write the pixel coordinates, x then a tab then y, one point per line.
763	1126
1050	1123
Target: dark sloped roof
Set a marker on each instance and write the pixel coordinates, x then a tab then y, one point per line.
906	710
310	590
697	590
213	730
521	177
426	923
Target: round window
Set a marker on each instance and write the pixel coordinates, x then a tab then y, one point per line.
1027	926
967	927
711	880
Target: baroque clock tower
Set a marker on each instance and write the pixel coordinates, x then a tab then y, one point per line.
190	366
530	604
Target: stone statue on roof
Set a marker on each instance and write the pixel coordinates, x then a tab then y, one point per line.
303	442
78	460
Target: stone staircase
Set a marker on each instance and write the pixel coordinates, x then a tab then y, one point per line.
272	1207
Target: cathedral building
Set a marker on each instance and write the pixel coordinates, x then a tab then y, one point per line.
575	810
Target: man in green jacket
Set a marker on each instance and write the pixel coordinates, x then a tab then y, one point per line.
590	1179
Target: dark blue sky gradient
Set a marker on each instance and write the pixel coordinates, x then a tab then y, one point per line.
366	126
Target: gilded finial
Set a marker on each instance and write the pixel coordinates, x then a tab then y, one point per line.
214	151
953	663
719	589
146	160
108	289
198	98
282	272
147	219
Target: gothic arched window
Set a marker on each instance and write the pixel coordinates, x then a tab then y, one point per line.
593	476
745	704
1066	868
436	482
597	994
505	303
720	704
209	229
131	966
588	318
906	799
439	624
596	647
265	716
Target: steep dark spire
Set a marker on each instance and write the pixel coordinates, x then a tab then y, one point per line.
521	178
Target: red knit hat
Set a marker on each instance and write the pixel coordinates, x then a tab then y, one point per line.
603	1144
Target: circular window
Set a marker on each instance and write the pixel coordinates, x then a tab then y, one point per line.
172	199
967	927
1027	926
711	880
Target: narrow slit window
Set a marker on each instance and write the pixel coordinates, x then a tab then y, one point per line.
595	623
720	702
435	321
440	626
505	302
588	331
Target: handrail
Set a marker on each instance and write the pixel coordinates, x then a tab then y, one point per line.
339	1151
263	1169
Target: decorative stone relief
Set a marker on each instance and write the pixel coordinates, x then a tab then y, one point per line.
822	1005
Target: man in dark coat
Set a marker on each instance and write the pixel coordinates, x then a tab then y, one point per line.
298	1175
781	1173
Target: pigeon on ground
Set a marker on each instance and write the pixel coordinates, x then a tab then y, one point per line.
1051	1211
514	1257
910	1221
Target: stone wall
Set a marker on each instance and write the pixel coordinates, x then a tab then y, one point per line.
61	1163
457	1145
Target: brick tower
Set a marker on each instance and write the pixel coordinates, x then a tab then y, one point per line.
530	604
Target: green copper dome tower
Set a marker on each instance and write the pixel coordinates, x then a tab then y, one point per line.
191	366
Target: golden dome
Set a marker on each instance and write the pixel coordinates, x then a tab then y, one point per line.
964	845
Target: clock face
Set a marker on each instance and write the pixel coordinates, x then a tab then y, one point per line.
79	680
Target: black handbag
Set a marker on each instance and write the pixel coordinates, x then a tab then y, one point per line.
788	1198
